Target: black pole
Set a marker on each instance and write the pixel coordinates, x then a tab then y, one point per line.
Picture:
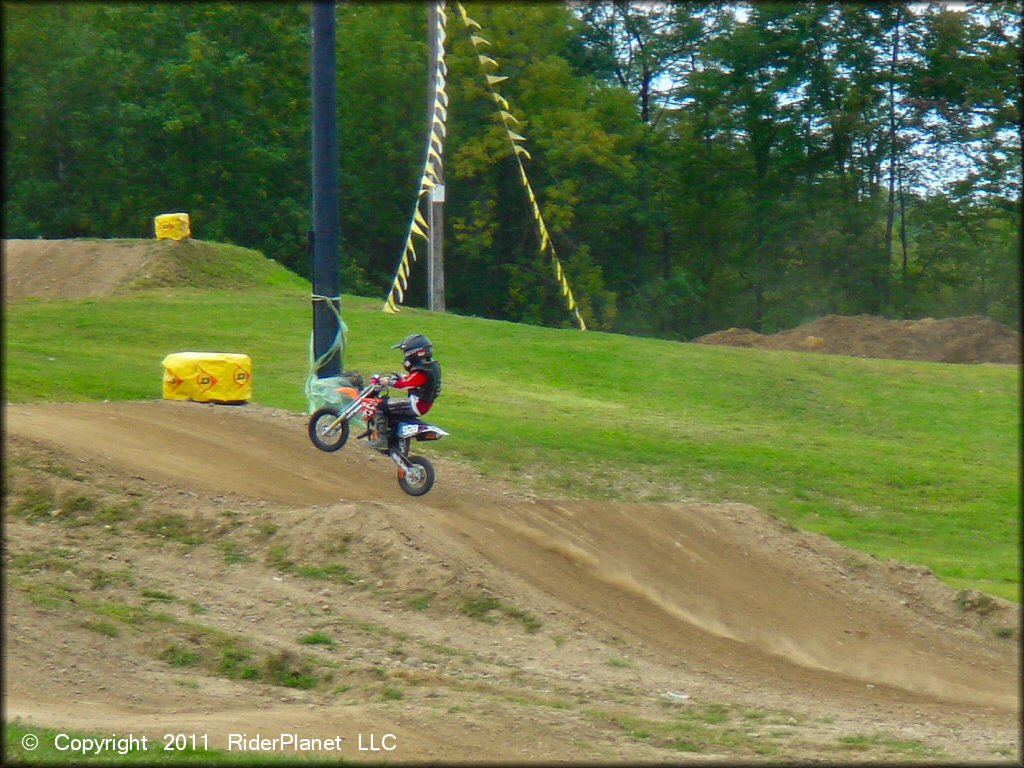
326	206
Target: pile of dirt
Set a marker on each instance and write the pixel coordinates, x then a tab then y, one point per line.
76	269
952	340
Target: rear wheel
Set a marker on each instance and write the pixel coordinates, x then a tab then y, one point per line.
325	436
419	478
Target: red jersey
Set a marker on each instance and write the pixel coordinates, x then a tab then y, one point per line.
412	381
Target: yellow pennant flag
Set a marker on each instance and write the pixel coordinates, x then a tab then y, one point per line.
465	17
419	218
520	152
435	147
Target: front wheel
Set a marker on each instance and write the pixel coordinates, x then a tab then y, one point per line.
325	434
419	478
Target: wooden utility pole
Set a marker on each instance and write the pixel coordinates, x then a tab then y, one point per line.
435	218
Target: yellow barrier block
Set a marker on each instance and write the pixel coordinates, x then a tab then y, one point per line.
173	226
208	377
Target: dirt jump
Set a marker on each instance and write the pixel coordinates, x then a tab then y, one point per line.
217	562
950	340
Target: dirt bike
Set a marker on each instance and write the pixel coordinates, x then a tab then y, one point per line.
329	431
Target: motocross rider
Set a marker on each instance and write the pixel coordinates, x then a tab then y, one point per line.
422	379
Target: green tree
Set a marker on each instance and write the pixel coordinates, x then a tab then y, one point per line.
698	165
382	129
494	252
121	112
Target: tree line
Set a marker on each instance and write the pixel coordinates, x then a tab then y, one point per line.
699	165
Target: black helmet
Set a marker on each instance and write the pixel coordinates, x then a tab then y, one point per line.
416	348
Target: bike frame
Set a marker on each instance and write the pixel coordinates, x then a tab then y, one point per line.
354	406
395	451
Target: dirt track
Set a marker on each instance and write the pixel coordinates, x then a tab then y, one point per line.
639	606
139	533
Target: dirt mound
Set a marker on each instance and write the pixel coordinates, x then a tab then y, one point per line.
81	268
952	340
188	567
72	269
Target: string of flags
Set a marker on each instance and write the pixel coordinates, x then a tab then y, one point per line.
435	148
431	164
517	140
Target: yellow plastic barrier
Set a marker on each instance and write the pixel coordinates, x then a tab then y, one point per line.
174	226
207	377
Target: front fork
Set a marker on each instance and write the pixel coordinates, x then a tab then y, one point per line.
398	451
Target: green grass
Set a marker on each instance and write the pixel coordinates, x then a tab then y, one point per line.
278	558
285	669
707	728
712	728
233	553
317	638
484	607
888	745
105	628
177	656
235	662
391	693
619	663
156	594
907	460
35	504
174	526
420	602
